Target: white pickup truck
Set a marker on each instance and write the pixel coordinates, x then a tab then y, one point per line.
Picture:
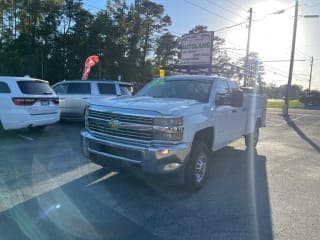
171	125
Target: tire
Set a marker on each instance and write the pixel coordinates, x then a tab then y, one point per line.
196	169
252	139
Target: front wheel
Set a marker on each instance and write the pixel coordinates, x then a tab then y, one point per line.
252	139
196	169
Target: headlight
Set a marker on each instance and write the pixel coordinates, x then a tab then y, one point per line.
168	129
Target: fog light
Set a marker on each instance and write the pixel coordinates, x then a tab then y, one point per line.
164	152
171	166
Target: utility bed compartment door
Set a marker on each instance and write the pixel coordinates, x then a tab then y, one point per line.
256	105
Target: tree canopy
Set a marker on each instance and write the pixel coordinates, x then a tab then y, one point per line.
51	40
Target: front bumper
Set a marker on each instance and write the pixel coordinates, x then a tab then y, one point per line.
155	160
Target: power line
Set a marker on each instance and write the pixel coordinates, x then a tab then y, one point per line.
236	53
227	48
233	43
273	13
226	9
208	11
237	5
229	27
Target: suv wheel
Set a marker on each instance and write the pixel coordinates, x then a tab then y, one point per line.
196	169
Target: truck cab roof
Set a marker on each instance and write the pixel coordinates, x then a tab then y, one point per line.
195	77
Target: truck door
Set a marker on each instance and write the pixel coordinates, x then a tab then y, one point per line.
222	115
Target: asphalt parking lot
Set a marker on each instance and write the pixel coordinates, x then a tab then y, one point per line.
48	190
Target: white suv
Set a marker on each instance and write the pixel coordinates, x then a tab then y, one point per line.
27	102
76	95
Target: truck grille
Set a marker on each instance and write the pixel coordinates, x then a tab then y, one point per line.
121	117
99	122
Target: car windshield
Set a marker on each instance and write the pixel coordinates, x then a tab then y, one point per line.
34	87
198	90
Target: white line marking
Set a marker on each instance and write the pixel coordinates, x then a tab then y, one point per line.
25	137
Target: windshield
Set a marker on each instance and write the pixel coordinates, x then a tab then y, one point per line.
34	87
198	90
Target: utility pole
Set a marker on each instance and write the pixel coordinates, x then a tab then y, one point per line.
41	52
311	65
285	109
245	83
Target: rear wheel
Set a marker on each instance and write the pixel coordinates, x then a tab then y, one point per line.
252	139
196	169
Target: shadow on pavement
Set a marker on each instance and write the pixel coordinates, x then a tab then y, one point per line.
294	126
28	157
234	204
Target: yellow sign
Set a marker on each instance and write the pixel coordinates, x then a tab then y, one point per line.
161	72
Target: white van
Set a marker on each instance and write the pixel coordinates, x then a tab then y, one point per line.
76	95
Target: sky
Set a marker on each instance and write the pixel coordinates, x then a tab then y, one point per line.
271	33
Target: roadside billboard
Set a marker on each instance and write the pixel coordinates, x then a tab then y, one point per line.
196	49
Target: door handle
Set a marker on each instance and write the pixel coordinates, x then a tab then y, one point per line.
233	110
84	98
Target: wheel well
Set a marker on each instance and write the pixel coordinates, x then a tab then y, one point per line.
259	123
205	135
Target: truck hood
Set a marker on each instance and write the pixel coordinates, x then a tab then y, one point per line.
164	106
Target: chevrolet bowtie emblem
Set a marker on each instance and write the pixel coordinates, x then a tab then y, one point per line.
114	124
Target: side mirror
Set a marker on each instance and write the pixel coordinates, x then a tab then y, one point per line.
219	101
236	98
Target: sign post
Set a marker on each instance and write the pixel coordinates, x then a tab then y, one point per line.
161	72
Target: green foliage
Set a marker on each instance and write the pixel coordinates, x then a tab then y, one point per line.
167	49
51	39
275	92
255	69
276	103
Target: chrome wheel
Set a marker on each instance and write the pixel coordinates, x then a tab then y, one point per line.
200	167
196	168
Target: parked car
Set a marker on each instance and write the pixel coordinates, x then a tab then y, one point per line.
171	125
311	99
27	102
76	95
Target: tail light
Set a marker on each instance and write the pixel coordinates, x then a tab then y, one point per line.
24	101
